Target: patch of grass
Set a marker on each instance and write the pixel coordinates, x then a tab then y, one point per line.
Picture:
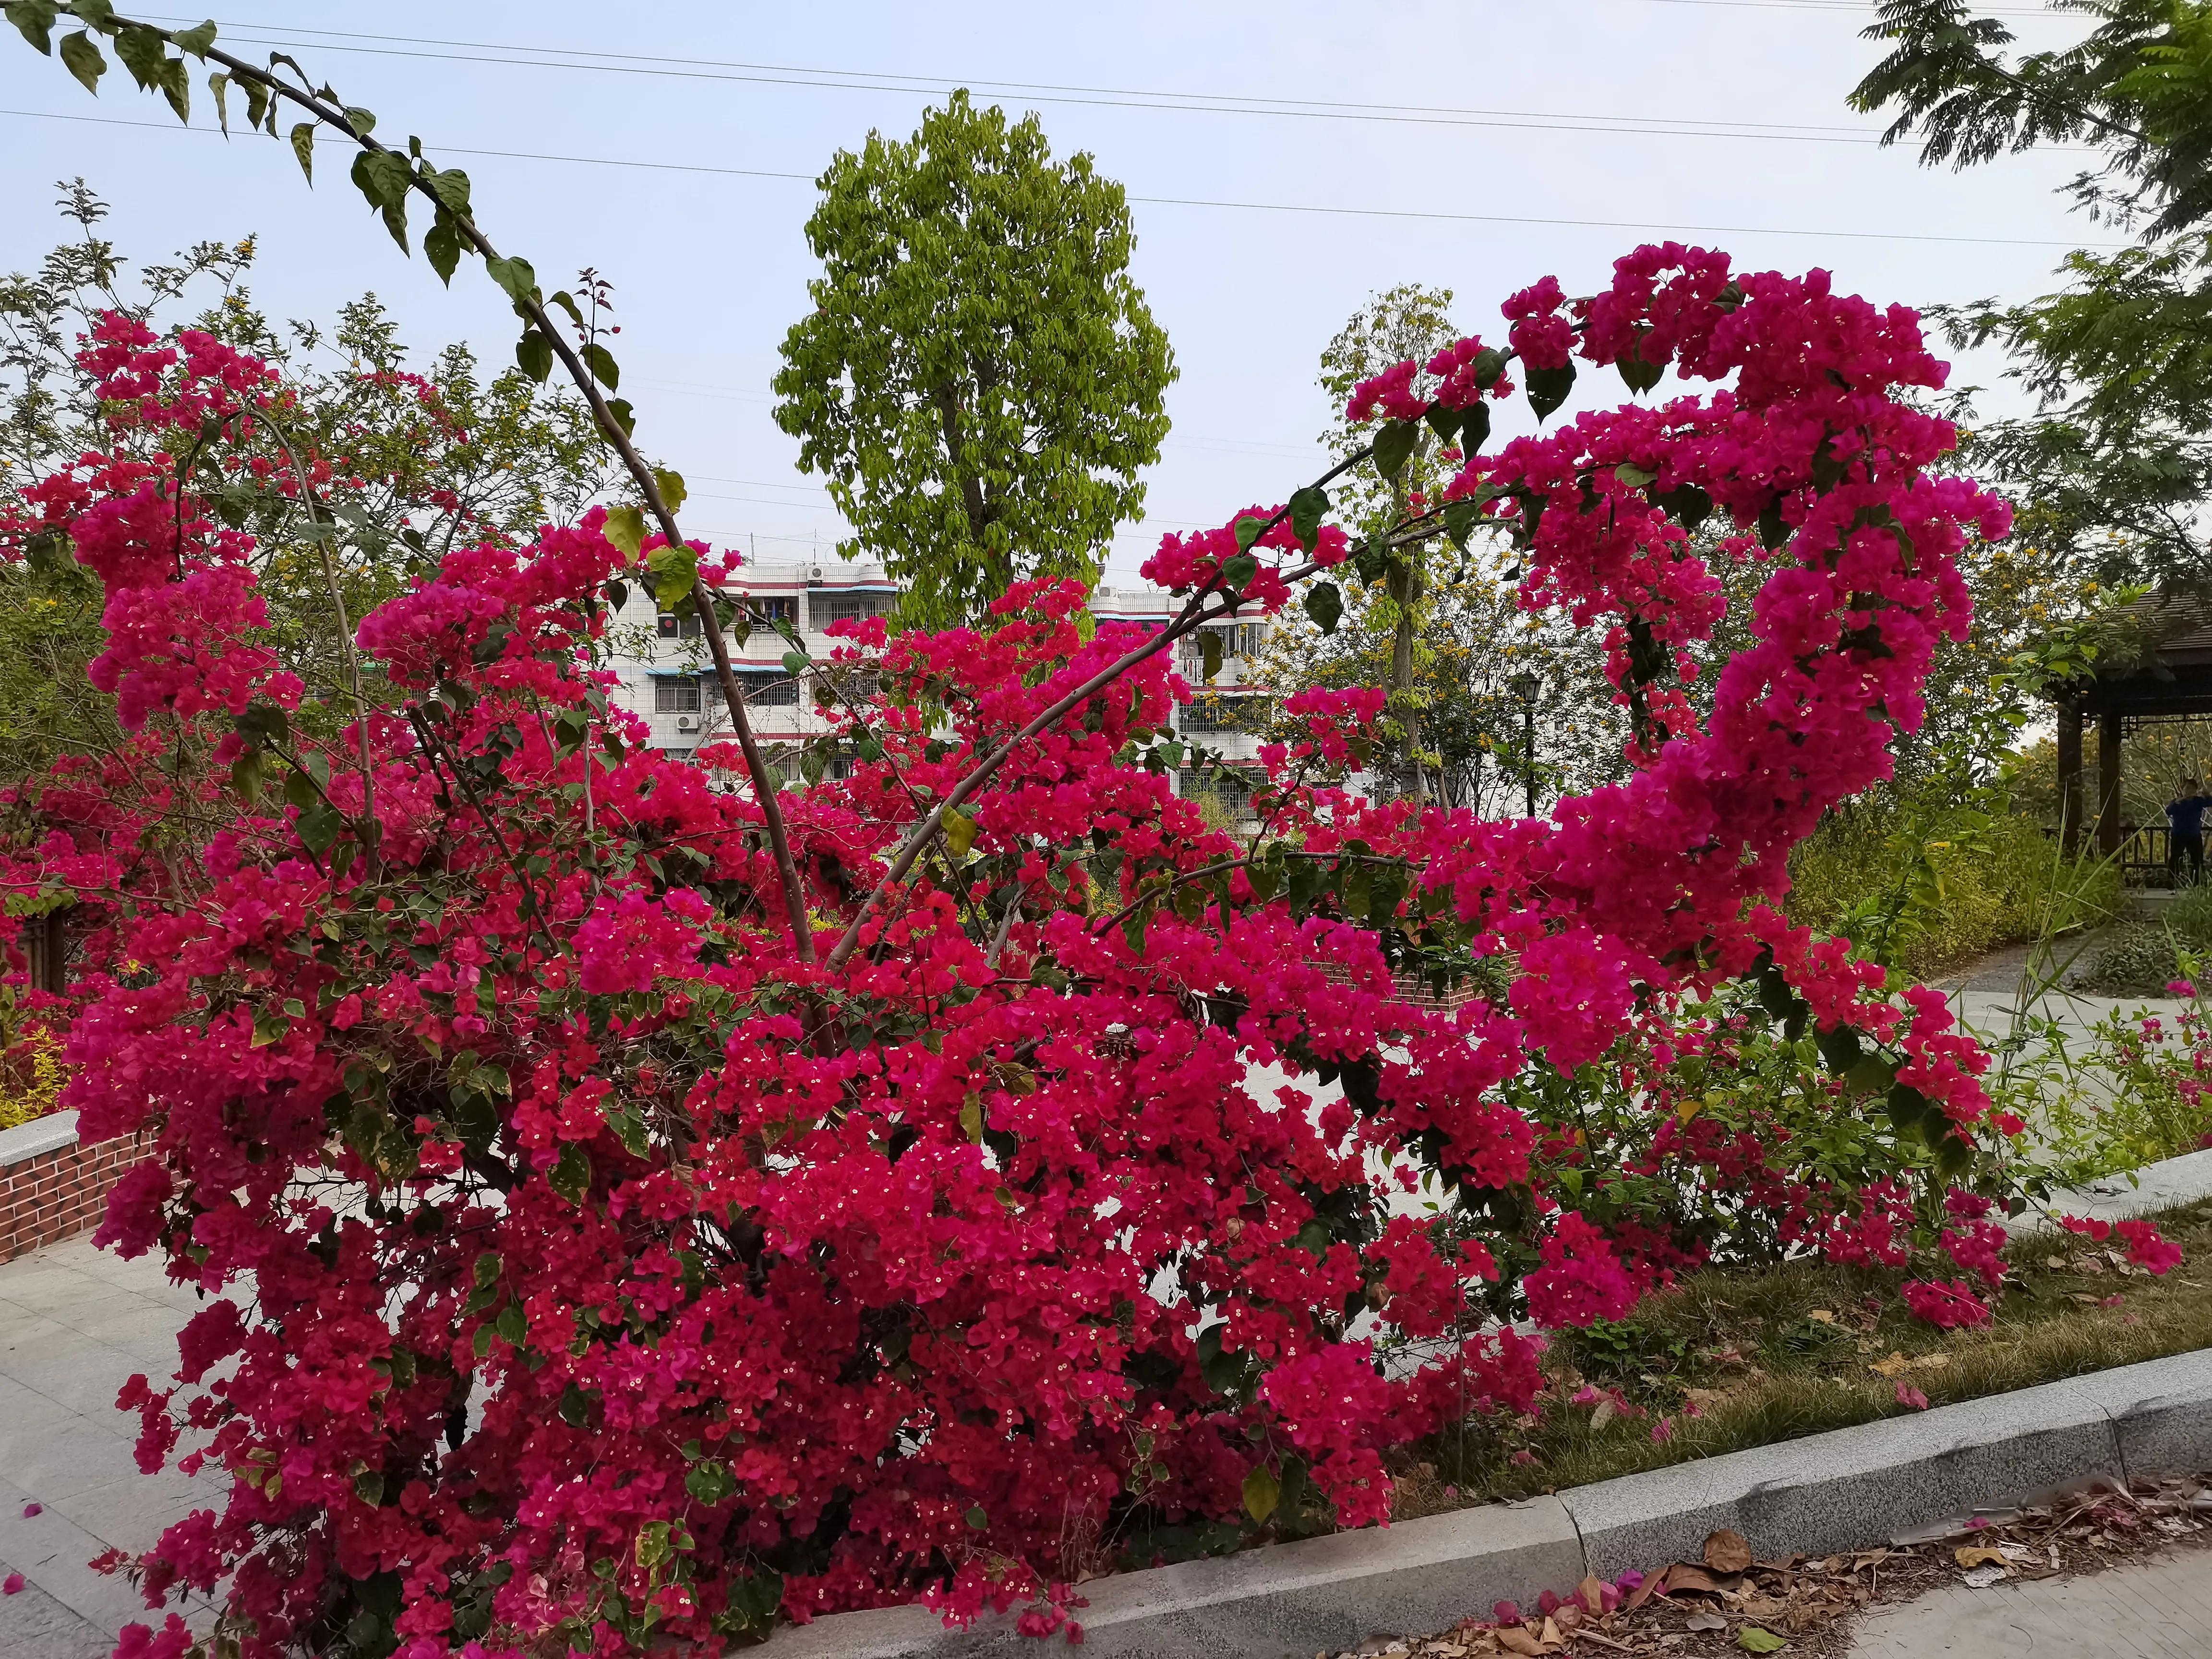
1729	1360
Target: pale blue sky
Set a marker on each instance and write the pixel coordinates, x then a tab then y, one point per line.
710	269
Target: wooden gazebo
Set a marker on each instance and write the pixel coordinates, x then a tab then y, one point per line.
2160	674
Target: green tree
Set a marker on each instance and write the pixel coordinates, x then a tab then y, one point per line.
2115	467
416	459
980	380
1408	321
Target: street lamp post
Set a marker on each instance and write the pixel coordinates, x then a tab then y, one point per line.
1524	687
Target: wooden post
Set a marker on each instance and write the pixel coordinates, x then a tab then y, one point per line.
2070	778
2108	783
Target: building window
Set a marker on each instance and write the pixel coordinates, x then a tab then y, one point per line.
771	691
829	608
776	609
673	627
674	697
1221	715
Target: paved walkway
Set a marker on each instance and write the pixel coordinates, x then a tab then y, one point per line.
2156	1609
75	1323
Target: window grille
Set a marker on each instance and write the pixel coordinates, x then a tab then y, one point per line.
674	697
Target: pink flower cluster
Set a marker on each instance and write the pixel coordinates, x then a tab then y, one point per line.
750	1287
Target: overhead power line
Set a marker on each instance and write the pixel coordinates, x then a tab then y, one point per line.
1664	227
519	56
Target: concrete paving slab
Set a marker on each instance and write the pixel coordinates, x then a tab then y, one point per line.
53	1553
2156	1609
34	1626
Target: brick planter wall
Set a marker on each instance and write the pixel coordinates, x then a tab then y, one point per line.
51	1186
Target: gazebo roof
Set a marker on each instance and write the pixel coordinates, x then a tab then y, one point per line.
2163	662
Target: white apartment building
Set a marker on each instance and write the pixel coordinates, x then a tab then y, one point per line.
668	680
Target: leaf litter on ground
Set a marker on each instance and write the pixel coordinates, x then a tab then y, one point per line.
1729	1600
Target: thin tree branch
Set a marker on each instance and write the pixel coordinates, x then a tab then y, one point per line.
1194	614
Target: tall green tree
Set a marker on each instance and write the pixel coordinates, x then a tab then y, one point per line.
2115	466
1408	321
980	381
417	458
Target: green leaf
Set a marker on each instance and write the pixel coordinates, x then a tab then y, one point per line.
257	104
318	826
1248	531
675	572
533	355
450	186
82	59
245	776
303	146
488	1269
1394	444
197	39
1753	1639
1132	928
177	87
35	19
1443	421
709	1482
794	662
572	1177
625	528
143	52
218	86
1635	477
601	363
368	1486
625	416
382	176
1474	428
441	246
1773	529
512	1324
976	1518
262	723
395	221
959	832
1461	517
1262	1492
566	301
672	491
1489	364
515	276
1307	507
1686	504
1324	603
1237	573
1209	652
1548	387
362	121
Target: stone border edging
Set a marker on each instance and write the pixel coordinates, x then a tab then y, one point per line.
1845	1489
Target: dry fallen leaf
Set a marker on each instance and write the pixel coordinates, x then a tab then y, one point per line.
1551	1635
1931	1362
1822	1316
1684	1577
1895	1366
1591	1590
1982	1578
1514	1639
1978	1555
1727	1551
1704	1621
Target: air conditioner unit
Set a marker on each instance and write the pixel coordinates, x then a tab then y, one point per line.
687	722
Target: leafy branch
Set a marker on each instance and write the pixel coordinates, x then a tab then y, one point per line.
387	178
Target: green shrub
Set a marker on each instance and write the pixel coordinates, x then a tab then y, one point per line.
1924	889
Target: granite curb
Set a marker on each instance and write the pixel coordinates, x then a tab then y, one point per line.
1846	1489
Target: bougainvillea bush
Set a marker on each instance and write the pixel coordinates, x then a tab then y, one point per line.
606	1269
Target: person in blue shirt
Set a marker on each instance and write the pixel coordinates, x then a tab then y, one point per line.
2186	818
